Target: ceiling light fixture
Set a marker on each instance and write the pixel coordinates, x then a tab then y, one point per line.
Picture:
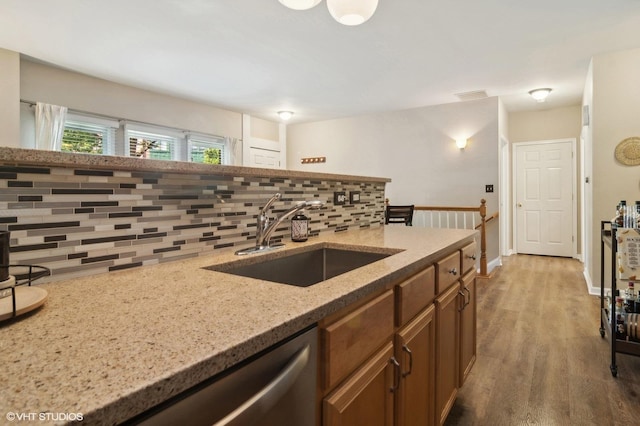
540	95
300	4
346	12
352	12
285	115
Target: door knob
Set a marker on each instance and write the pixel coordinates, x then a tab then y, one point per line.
519	204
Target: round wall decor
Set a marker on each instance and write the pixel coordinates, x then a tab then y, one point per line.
628	151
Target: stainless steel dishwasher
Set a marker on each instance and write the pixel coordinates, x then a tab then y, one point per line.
275	388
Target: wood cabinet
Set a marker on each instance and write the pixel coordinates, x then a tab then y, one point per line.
447	351
349	341
365	398
400	357
447	272
415	352
467	325
414	294
468	258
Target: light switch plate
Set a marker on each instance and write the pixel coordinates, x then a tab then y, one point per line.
339	198
354	197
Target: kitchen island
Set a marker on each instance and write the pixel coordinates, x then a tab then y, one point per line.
111	346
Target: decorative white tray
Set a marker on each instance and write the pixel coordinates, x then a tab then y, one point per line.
28	298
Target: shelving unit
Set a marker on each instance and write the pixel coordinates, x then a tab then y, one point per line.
607	327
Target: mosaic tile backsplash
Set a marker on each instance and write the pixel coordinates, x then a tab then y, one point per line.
79	221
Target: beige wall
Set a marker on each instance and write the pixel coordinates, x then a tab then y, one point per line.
550	124
416	149
10	98
80	92
615	116
265	129
557	123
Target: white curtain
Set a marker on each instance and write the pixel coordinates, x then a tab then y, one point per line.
49	126
235	150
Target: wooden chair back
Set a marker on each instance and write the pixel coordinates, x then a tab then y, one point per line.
399	214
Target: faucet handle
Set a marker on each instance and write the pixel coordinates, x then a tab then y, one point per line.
272	200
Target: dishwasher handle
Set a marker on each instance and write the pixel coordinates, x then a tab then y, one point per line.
253	408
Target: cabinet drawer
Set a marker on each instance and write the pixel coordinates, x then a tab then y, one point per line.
352	339
469	257
415	294
447	271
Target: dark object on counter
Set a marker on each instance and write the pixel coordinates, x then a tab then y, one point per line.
399	214
299	227
4	255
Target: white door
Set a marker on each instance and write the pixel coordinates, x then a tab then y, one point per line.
544	198
263	158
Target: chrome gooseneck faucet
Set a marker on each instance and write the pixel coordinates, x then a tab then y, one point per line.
266	226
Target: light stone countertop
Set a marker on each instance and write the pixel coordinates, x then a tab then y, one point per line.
111	346
43	158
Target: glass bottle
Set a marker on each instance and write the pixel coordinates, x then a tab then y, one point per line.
618	220
630	298
621	331
299	227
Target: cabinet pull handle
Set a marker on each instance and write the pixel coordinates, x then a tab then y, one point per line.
461	308
453	271
407	350
396	367
473	256
469	293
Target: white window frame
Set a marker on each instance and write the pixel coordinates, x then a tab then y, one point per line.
91	123
212	141
176	138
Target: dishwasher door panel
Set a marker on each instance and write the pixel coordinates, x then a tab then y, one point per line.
276	389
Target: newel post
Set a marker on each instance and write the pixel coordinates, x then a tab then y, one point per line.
483	238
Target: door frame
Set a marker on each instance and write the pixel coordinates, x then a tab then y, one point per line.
249	142
574	189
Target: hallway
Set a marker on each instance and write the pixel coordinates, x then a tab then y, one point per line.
541	360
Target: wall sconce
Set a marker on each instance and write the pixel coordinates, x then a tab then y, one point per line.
285	115
540	94
461	143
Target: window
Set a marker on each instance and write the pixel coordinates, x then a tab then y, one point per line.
155	146
208	150
89	135
103	135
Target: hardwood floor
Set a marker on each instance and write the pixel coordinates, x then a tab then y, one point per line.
541	360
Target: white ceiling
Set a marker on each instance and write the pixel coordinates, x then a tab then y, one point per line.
258	57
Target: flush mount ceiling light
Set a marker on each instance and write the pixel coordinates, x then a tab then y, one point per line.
540	94
347	12
285	115
352	12
300	4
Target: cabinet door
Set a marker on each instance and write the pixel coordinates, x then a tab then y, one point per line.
467	326
352	339
447	272
415	351
447	351
365	398
468	258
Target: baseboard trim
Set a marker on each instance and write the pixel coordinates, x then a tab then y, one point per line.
591	289
491	266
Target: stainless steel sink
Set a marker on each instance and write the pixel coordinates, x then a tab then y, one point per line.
305	268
